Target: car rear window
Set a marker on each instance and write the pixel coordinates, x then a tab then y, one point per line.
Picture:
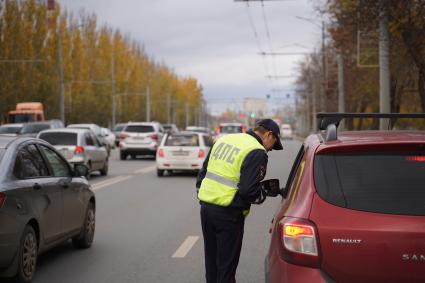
32	129
60	138
139	129
10	130
182	140
230	129
118	128
392	183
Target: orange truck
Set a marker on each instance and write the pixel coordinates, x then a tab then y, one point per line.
26	112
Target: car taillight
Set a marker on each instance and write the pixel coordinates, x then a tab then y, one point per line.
243	129
123	136
299	242
217	130
201	153
79	149
161	153
154	137
2	198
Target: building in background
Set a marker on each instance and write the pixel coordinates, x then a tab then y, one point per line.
255	107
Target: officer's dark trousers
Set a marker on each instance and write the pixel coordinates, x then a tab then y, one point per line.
222	228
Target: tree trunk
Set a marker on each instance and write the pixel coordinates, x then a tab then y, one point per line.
421	86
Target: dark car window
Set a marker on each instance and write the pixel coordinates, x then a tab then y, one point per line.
391	183
34	128
60	138
296	171
139	129
208	141
29	164
182	140
58	165
231	129
10	130
88	138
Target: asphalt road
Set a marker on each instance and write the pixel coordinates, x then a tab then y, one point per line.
148	229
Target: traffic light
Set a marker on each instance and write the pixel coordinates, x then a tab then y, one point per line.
252	115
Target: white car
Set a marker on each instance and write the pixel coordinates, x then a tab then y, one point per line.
183	151
109	136
286	131
140	138
11	129
78	146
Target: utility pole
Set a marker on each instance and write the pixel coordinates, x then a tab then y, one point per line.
384	64
168	105
187	115
61	76
341	94
148	103
323	83
113	87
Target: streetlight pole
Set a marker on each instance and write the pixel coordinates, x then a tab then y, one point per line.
113	88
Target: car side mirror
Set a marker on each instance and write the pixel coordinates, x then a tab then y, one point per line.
80	170
272	187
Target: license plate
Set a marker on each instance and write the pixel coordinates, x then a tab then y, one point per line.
138	138
180	153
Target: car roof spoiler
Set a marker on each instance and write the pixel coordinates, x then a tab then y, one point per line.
329	122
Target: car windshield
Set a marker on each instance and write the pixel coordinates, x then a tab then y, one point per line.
34	128
182	140
391	183
60	138
139	129
10	130
119	128
21	118
230	129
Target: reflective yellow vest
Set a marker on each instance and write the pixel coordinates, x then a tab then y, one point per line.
221	181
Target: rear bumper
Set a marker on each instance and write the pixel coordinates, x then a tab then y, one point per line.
280	271
190	165
133	147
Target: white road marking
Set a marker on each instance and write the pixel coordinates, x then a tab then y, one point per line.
183	250
145	170
109	182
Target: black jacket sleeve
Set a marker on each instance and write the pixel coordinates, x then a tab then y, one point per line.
253	171
203	172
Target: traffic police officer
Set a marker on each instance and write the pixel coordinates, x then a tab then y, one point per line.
229	182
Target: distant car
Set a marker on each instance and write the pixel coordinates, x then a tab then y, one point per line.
79	146
229	128
183	151
117	130
353	208
140	138
170	128
109	137
197	129
286	131
11	129
43	202
96	130
32	129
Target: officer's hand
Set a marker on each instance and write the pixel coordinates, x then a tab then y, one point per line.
271	187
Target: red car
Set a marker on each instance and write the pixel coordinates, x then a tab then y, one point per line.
353	208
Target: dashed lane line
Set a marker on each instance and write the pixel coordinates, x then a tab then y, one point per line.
109	182
185	247
145	170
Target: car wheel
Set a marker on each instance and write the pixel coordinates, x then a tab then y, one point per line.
28	252
159	172
105	169
85	239
123	155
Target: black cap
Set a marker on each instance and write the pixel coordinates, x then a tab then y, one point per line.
272	126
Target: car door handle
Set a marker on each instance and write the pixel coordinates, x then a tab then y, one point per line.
64	184
36	186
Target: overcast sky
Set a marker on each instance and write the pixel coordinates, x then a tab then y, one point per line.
218	41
